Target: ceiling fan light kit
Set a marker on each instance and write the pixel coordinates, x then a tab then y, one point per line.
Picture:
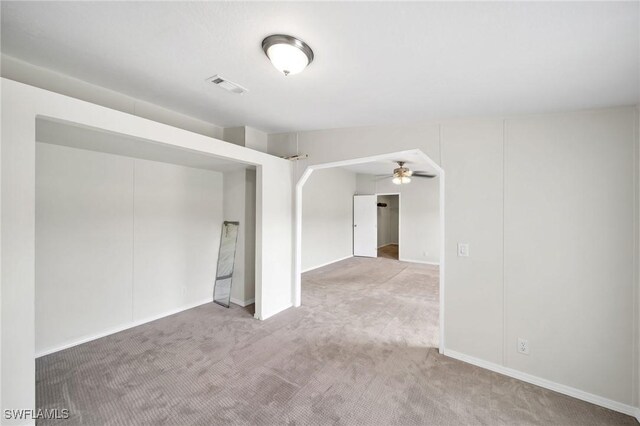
402	175
401	180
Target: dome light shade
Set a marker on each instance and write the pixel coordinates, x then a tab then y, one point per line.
397	180
288	55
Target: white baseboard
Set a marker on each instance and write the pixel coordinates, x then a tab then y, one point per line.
325	264
424	262
242	303
114	330
272	313
638	414
547	384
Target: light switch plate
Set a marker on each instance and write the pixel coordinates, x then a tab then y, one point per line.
463	250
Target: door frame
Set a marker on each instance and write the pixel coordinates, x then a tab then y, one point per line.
399	194
297	264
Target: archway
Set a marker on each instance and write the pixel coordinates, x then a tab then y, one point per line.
297	288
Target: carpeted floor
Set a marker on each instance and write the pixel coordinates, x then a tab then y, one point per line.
360	351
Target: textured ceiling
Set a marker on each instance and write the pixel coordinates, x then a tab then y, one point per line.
375	63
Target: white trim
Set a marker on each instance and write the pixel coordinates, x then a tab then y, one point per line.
297	266
118	329
242	303
425	262
328	263
268	315
547	384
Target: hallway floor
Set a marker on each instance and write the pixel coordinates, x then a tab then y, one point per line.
390	251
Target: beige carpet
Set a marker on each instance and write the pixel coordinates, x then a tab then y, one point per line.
359	352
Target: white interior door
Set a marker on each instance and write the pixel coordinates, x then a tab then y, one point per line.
365	224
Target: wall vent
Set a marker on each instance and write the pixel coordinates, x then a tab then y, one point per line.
227	85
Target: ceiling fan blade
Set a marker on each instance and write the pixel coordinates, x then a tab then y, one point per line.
423	175
379	177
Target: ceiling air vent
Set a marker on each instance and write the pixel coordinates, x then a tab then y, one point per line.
227	85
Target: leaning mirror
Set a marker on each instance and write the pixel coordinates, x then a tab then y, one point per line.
226	258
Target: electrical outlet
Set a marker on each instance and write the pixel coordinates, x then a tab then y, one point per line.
463	250
523	346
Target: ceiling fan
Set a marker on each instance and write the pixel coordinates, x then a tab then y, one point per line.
403	174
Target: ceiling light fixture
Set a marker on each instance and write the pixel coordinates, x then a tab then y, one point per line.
401	175
288	54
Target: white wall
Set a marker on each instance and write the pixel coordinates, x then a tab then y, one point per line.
247	137
250	237
550	225
21	105
388	220
84	244
177	219
419	215
474	287
234	211
240	206
235	135
327	217
569	248
119	240
255	139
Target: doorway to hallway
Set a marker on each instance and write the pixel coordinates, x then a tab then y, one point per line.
368	181
388	225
